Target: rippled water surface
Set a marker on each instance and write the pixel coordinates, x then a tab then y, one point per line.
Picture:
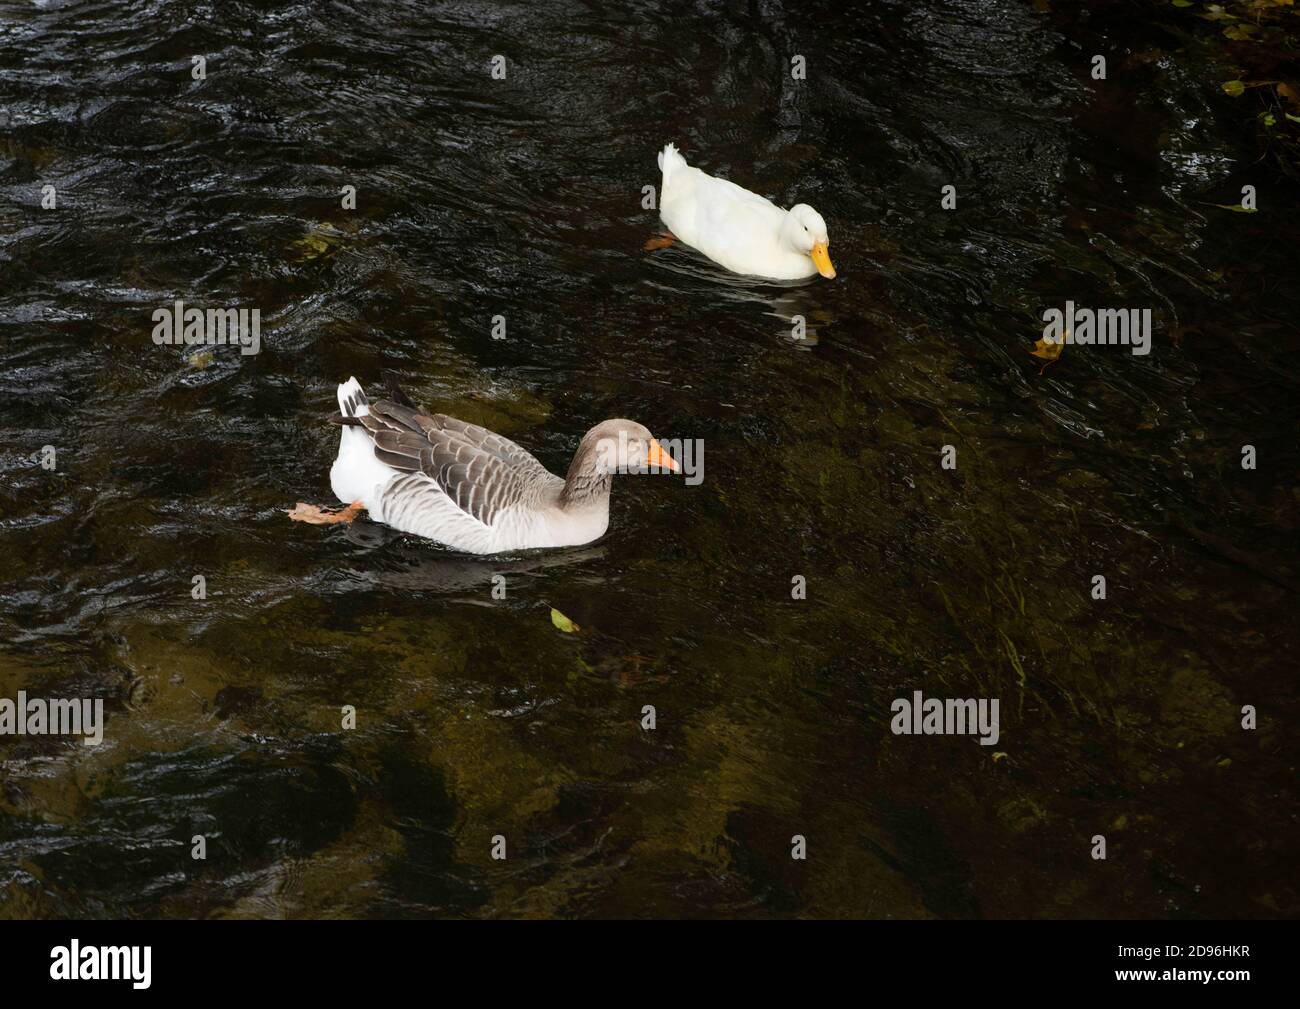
523	198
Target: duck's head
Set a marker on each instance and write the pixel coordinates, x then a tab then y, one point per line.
624	446
805	231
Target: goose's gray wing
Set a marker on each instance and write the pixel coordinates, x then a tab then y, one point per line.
482	472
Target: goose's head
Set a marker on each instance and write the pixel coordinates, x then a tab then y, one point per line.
624	446
805	232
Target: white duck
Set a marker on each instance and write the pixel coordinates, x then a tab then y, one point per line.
462	485
738	229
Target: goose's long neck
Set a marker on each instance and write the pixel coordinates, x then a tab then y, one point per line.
585	486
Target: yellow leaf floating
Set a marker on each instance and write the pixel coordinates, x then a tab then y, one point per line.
562	622
1048	351
1234	88
319	241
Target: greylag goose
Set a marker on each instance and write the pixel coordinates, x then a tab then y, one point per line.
468	488
738	229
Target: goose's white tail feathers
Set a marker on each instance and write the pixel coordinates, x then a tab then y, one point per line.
670	161
356	474
353	401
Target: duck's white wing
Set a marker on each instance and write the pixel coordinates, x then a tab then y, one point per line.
733	226
701	205
723	191
741	217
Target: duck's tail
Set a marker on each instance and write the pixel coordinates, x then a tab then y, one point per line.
669	162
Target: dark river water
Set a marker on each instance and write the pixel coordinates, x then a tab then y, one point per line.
522	198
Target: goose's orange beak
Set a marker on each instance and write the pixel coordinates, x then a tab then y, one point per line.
656	456
821	257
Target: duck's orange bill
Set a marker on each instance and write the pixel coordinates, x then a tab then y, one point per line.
821	257
656	456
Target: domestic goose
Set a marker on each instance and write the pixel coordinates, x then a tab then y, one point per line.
468	488
738	229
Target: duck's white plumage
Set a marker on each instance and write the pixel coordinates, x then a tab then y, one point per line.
462	485
740	230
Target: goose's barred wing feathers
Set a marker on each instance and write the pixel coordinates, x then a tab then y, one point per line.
482	472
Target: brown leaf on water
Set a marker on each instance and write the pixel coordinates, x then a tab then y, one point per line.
1048	351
